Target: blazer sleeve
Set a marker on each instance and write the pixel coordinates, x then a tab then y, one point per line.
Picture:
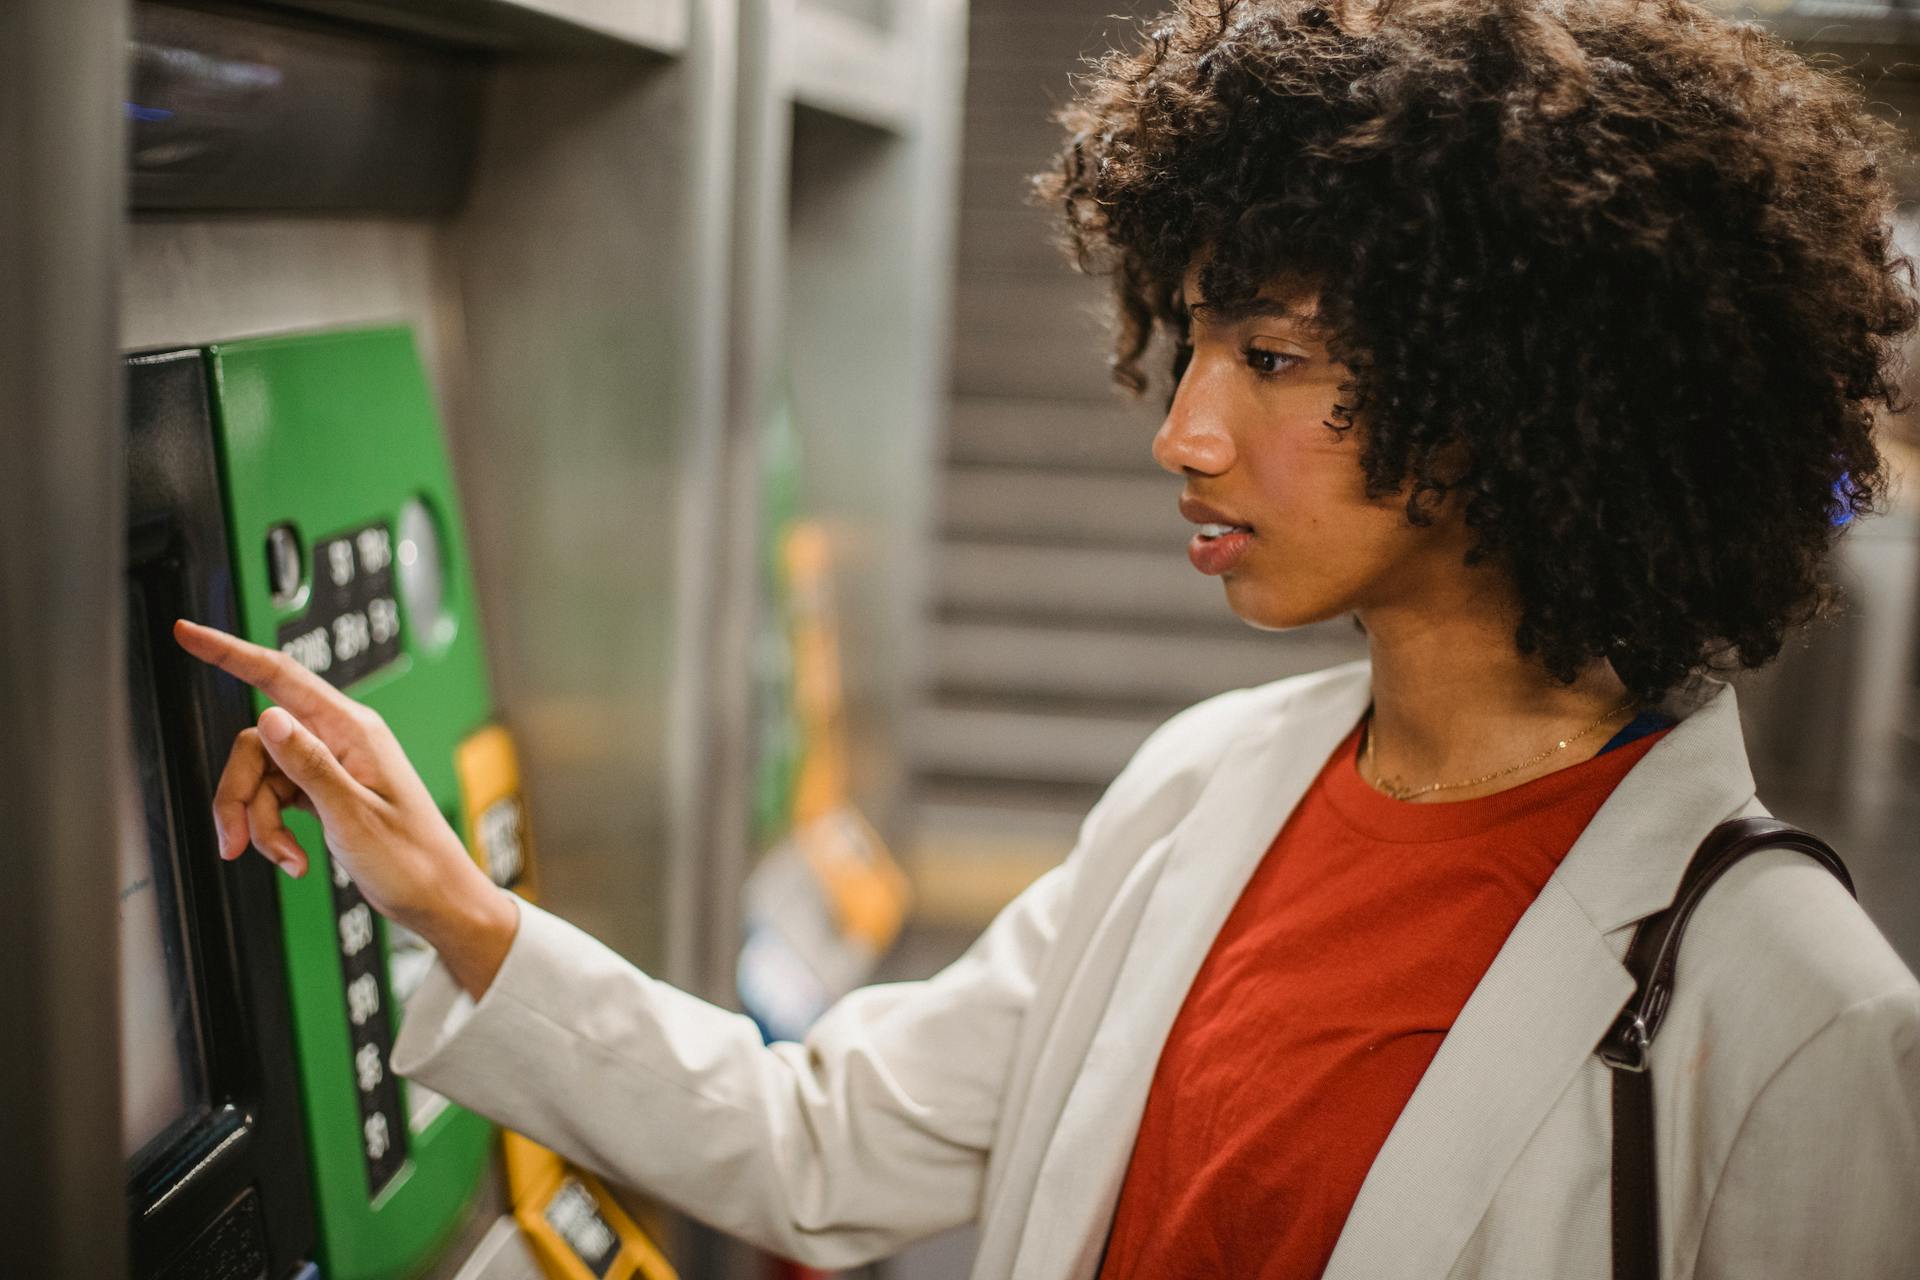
1823	1178
833	1152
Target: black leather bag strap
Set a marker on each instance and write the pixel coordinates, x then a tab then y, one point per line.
1652	958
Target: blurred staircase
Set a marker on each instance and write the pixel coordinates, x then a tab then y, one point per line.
1066	622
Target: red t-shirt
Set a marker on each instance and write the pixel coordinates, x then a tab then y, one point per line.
1328	990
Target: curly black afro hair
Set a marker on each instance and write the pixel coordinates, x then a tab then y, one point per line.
1619	272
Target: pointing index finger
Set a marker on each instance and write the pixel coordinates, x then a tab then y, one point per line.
288	683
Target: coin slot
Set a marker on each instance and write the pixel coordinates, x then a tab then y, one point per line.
286	565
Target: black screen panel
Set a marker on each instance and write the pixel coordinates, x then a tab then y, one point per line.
224	1180
163	1069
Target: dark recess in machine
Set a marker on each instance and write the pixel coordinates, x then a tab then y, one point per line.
240	112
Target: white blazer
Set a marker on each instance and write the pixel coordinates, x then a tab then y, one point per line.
1008	1088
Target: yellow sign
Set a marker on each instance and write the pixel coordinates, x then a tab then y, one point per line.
576	1230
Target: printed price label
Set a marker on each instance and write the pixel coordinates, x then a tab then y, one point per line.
575	1216
500	830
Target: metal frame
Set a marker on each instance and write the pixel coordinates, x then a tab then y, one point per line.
841	292
61	660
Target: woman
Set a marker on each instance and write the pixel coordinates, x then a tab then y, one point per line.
1545	340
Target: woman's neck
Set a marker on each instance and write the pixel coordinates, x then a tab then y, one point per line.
1453	700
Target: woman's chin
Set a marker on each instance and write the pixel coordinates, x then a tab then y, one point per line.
1263	605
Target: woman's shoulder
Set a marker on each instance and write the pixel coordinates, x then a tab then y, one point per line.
1778	954
1790	1063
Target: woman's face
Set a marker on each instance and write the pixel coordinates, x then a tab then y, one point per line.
1279	496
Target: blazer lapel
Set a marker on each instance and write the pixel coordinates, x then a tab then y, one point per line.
1544	1003
1207	863
1527	1028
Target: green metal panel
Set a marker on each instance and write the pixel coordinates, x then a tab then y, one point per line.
336	433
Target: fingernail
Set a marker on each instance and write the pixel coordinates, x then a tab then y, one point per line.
275	725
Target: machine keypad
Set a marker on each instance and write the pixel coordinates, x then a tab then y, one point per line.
351	628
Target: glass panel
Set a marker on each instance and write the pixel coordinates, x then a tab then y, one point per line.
163	1080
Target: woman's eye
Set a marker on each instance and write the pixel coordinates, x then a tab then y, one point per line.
1269	363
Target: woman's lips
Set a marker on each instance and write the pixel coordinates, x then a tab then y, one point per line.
1222	540
1216	549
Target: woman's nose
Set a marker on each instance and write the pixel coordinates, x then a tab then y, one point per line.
1193	440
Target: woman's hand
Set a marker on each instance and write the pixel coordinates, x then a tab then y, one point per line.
321	751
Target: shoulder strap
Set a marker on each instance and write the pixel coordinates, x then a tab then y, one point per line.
1652	958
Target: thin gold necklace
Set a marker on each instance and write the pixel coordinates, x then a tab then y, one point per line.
1397	791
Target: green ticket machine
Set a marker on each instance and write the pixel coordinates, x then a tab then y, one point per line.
324	522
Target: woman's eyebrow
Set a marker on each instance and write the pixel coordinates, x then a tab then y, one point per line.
1218	313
